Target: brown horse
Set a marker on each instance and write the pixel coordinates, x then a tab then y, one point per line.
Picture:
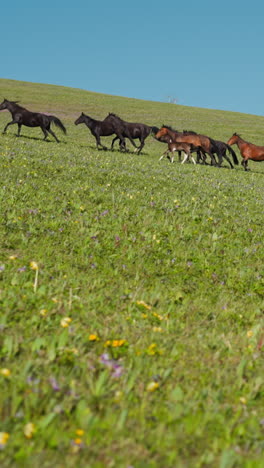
247	150
173	146
199	142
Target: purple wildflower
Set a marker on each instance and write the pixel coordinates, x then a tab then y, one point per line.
54	384
113	365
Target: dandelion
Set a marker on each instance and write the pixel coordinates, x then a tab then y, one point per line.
143	304
249	333
243	400
5	372
115	343
4	436
157	329
12	257
79	432
43	312
152	349
29	430
152	386
65	322
78	441
158	316
93	337
33	265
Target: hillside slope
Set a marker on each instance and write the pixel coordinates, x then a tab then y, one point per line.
131	294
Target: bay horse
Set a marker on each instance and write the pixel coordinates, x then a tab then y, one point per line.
173	146
105	127
22	116
248	150
133	130
200	143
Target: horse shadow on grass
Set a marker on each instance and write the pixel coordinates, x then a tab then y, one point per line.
26	137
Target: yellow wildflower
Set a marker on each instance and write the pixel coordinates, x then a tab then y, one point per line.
243	400
157	329
79	432
118	396
152	349
43	312
65	322
143	304
4	436
33	265
29	430
78	441
158	316
152	386
93	337
12	257
115	343
5	372
249	333
118	343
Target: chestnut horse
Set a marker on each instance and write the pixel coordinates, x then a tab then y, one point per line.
247	150
199	142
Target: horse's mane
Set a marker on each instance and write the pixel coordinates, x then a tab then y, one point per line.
170	128
111	114
191	132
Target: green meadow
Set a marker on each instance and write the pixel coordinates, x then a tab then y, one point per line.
132	293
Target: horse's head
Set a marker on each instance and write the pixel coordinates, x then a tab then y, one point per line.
80	119
161	132
4	104
233	139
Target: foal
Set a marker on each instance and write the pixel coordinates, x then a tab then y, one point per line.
174	146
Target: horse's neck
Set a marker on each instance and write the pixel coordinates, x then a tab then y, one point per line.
240	142
171	133
89	121
13	107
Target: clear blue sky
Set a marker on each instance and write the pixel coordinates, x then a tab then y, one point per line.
202	53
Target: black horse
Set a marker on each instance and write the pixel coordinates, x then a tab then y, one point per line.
22	116
132	130
222	149
105	127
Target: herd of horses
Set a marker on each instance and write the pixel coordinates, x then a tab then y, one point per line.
187	142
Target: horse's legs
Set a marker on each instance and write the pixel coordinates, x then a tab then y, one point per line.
227	158
179	156
113	142
53	134
184	157
192	158
245	164
45	132
98	142
163	154
19	129
10	123
142	143
213	160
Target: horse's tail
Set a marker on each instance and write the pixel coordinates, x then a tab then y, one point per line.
231	151
57	122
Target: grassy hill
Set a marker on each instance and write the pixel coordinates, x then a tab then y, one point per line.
131	330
